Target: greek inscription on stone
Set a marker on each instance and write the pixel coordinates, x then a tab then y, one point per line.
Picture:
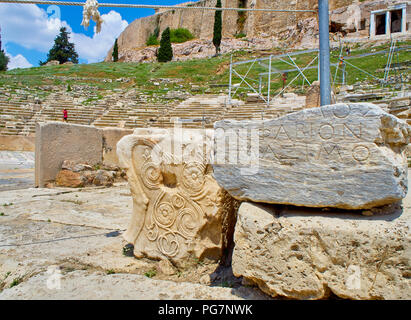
361	153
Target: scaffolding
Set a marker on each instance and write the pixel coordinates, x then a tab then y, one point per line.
344	63
342	71
286	58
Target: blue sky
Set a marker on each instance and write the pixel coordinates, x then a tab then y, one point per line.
28	30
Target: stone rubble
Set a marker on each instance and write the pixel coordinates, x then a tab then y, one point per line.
79	175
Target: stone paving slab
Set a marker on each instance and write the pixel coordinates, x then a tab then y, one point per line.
99	286
16	170
79	232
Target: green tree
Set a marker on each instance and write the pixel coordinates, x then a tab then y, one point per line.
62	50
4	60
165	53
115	51
218	23
0	40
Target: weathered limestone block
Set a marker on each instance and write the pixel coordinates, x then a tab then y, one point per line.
57	142
103	178
70	179
52	63
179	210
301	255
346	19
110	138
349	156
313	97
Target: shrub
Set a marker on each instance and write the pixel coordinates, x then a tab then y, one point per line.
16	282
180	35
152	40
151	273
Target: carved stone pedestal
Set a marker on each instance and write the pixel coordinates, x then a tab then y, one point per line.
180	212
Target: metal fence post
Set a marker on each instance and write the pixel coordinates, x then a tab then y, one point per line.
269	83
230	84
325	85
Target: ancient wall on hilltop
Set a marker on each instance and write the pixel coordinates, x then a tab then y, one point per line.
201	22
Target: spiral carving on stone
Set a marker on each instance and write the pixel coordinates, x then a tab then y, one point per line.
151	175
172	218
165	215
187	222
168	244
178	201
175	212
193	177
152	233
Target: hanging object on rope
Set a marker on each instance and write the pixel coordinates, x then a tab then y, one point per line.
90	11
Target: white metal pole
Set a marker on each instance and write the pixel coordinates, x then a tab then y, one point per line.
269	83
325	85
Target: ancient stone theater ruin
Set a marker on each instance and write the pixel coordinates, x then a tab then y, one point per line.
344	156
214	176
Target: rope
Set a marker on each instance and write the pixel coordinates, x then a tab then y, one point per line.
143	6
90	11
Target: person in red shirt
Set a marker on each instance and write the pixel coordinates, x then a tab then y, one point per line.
284	78
65	115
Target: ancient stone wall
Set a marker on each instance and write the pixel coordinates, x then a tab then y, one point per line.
16	143
201	22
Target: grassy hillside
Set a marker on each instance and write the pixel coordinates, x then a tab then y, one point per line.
208	75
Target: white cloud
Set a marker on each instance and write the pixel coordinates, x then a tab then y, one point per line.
95	49
18	61
29	26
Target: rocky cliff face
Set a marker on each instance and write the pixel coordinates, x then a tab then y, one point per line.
200	22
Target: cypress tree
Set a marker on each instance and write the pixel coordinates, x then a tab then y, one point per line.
217	28
4	60
63	50
115	51
165	53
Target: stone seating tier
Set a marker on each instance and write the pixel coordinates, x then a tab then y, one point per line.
20	110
